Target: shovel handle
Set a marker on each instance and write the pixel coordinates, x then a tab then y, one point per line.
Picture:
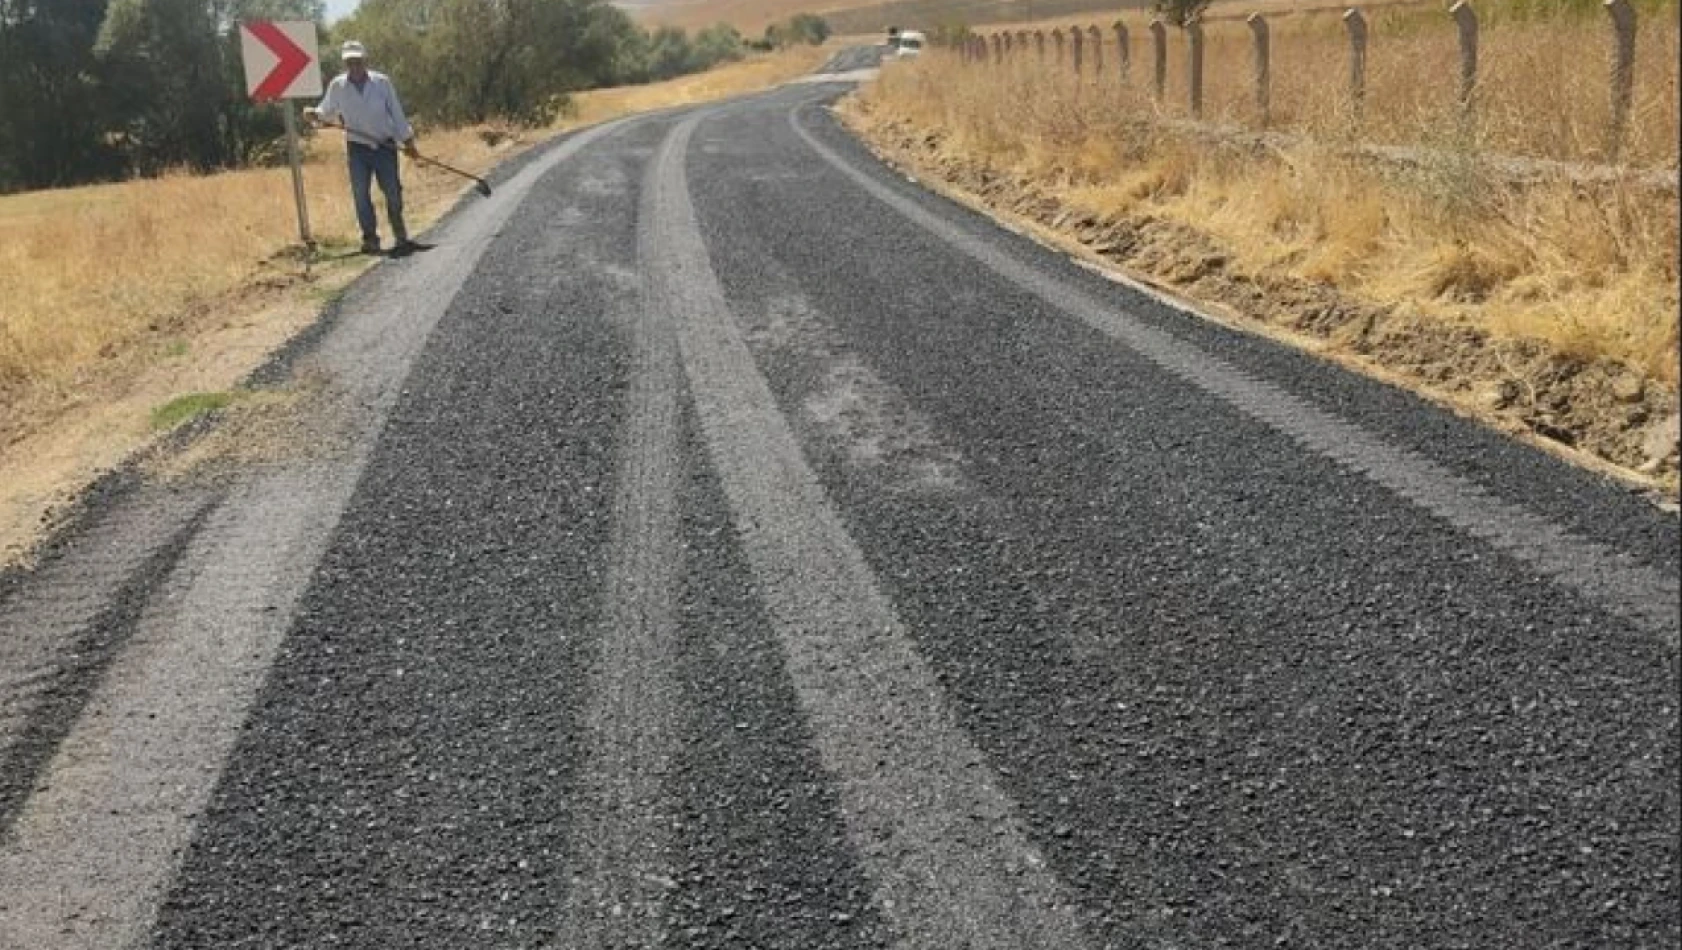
484	187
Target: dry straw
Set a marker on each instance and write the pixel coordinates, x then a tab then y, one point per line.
1589	265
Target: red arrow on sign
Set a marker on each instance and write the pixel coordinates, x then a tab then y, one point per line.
293	61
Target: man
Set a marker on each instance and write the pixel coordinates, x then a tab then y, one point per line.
364	103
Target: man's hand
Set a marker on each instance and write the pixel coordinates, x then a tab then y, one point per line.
410	150
312	115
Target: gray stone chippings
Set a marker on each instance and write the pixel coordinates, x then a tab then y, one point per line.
764	856
703	553
96	845
61	629
942	846
1645	595
412	772
623	837
1240	694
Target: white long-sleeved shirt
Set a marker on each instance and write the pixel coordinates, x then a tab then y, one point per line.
372	115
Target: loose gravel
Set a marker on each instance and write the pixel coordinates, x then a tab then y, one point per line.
764	553
1244	694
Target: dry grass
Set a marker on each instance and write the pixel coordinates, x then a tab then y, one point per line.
739	78
1593	271
98	283
1542	81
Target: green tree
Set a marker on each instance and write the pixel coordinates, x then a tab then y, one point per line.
1180	12
669	53
473	60
716	44
164	62
801	28
809	28
176	84
98	89
50	94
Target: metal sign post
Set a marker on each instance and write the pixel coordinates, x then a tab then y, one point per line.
292	154
282	63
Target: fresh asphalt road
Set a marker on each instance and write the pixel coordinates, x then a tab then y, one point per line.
717	541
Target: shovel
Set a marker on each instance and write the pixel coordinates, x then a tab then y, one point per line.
480	185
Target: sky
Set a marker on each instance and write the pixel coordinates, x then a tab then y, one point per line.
339	8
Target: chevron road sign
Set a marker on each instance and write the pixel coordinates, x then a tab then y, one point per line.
283	62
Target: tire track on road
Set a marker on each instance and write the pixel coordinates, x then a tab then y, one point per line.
764	852
95	845
623	839
43	612
950	862
40	704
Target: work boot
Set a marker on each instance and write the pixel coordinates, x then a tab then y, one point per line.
370	245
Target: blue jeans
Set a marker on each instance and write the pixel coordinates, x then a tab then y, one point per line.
367	162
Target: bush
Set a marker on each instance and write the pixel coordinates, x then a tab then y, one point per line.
717	44
471	61
808	28
1180	12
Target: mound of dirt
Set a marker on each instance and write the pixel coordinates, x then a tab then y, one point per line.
1589	410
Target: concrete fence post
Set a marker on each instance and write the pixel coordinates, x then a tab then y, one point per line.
1194	41
1356	26
998	49
1466	19
1096	38
1623	73
1159	74
1039	44
1077	40
1022	42
1057	40
1258	33
1122	50
1007	46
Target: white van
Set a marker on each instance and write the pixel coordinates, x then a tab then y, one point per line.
910	43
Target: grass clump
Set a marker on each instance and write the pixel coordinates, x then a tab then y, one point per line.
186	408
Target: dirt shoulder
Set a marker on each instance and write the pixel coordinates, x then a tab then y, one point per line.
1597	413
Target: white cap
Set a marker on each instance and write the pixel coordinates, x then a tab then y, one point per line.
352	50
